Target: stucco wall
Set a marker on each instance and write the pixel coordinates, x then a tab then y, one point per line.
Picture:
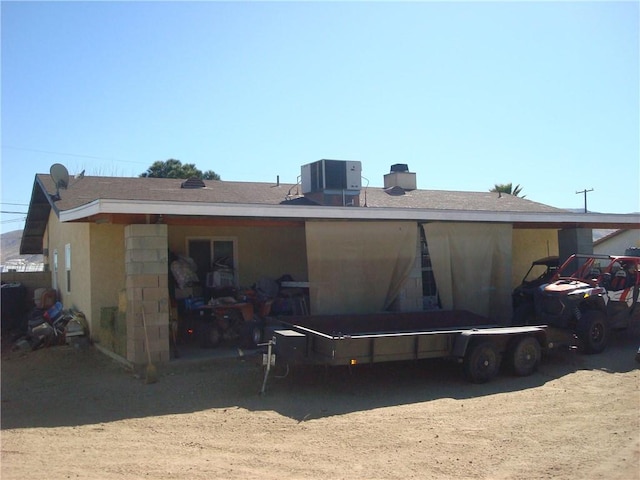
262	251
529	245
78	236
107	268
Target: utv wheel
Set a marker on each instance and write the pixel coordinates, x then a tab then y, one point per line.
211	336
524	356
593	332
482	361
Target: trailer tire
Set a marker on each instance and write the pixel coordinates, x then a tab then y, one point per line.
524	356
482	362
251	334
593	331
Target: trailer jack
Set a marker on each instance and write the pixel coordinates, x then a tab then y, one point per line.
268	360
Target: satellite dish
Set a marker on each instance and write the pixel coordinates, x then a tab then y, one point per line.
60	176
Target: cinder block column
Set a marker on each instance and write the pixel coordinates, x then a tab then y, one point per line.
146	267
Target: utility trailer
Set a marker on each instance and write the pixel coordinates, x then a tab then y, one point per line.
459	335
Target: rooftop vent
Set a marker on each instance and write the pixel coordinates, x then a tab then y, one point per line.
399	167
400	177
193	182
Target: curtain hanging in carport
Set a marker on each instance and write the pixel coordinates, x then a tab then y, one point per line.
358	267
472	267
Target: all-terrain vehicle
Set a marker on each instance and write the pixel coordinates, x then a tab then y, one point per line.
590	295
541	272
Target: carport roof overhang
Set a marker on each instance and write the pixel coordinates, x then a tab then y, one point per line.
98	208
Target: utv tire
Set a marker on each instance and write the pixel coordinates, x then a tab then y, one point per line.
524	356
593	332
210	336
482	362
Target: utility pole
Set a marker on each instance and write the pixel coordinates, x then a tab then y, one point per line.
585	191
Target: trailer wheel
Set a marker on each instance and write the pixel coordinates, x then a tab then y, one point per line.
524	356
593	332
482	362
251	335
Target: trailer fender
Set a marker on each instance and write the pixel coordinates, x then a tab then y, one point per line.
461	343
500	336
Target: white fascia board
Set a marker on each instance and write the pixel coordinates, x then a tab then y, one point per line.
335	213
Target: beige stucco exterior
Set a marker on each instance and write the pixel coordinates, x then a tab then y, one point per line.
77	236
107	267
98	257
97	266
262	251
530	245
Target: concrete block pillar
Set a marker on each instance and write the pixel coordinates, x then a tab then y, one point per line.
575	240
146	268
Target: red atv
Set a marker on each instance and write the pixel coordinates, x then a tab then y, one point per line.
590	295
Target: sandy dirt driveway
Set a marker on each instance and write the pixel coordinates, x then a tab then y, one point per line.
69	413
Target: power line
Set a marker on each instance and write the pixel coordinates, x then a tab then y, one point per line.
16	204
17	213
14	220
10	147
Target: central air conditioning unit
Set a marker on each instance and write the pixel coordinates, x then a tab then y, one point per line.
332	175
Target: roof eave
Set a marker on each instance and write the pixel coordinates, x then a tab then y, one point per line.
37	218
106	206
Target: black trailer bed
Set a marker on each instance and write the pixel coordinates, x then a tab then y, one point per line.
371	338
387	322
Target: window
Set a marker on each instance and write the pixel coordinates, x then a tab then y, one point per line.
210	254
429	288
67	265
54	281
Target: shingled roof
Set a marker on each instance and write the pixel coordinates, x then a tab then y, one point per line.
90	189
89	196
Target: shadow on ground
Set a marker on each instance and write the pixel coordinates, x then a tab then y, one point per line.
63	386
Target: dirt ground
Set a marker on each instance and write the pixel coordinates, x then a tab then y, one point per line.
76	413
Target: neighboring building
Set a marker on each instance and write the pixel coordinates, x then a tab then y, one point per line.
10	258
617	242
107	242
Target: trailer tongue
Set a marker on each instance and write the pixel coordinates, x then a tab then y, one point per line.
384	337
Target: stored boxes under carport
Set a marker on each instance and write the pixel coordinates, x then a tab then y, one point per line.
290	345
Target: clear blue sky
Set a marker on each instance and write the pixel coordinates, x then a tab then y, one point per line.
541	94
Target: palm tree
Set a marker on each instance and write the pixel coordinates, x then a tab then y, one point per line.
508	189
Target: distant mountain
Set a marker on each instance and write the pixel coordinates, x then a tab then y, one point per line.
10	253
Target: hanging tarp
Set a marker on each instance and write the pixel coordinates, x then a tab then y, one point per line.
358	267
472	267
